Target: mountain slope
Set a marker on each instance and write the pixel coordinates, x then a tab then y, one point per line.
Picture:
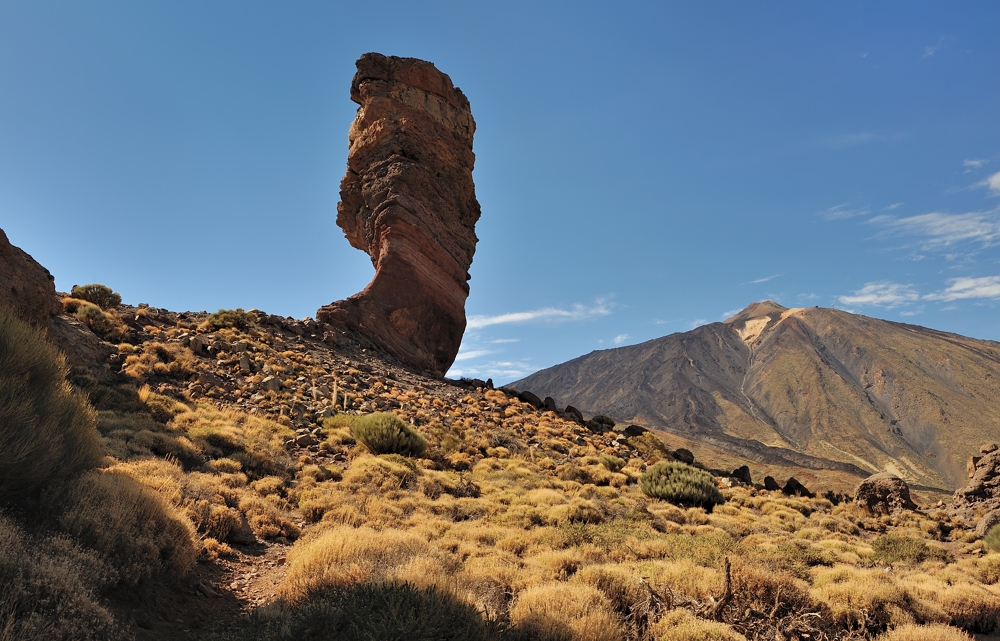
819	388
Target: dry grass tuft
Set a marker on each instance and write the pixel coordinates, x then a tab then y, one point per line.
556	611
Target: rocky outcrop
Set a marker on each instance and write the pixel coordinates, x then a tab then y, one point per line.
884	493
408	200
25	286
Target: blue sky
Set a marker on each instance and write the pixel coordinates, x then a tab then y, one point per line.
642	167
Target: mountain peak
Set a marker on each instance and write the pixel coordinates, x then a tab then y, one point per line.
756	310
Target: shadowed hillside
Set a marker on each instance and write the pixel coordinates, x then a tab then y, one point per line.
815	387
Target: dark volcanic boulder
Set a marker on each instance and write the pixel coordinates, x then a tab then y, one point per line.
408	200
575	413
683	455
742	474
884	493
530	398
25	286
770	484
794	488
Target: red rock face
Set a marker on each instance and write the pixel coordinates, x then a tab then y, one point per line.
408	201
25	286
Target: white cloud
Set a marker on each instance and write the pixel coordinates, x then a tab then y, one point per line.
947	229
501	371
892	206
975	163
698	322
992	183
765	279
943	42
729	314
500	341
621	338
475	353
843	211
961	288
882	294
579	312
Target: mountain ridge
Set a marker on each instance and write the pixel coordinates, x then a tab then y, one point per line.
819	387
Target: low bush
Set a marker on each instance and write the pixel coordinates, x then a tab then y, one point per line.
105	325
386	433
130	526
229	318
557	610
100	295
368	612
612	463
892	549
681	484
47	431
935	632
50	587
992	538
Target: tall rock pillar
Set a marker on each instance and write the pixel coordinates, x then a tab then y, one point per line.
408	200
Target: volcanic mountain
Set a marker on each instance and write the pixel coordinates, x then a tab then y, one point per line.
815	388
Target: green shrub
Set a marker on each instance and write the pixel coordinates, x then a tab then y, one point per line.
47	430
100	295
368	612
992	538
613	463
681	484
230	318
386	433
104	326
891	549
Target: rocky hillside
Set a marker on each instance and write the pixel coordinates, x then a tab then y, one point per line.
813	387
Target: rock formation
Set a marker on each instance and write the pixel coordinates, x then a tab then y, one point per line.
884	493
408	200
25	286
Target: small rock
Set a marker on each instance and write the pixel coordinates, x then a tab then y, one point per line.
550	404
971	464
989	447
305	440
271	384
770	484
575	413
245	363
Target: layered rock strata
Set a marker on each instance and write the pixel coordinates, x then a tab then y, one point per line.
25	286
408	200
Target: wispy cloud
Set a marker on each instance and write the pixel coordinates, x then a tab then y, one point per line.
765	279
892	206
475	353
942	230
729	314
698	322
500	341
844	211
930	50
992	183
963	288
621	338
601	307
882	294
975	163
